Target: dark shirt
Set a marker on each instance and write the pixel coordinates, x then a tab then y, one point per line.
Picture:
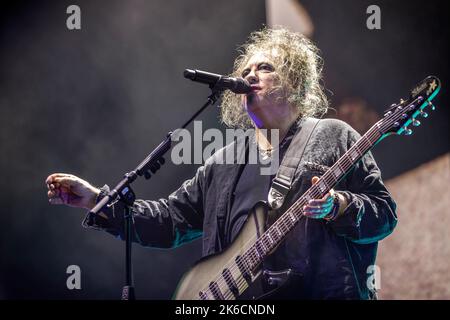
252	186
333	256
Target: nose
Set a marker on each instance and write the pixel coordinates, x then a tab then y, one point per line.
251	77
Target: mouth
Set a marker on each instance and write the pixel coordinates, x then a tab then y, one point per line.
254	91
255	87
252	96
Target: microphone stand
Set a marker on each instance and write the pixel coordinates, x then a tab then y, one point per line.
123	191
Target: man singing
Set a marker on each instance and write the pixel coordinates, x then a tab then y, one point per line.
334	245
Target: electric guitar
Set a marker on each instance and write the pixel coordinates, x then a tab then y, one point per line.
228	275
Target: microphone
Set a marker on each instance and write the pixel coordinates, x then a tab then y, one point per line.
237	85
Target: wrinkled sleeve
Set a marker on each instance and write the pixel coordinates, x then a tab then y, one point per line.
165	223
371	212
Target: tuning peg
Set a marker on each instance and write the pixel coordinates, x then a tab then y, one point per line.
419	98
407	131
147	175
423	114
431	105
155	167
404	116
416	123
396	124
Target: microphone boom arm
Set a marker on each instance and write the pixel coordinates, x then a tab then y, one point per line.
123	191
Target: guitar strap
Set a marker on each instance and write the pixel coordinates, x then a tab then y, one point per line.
282	183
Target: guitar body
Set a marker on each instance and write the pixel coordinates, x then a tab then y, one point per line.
199	276
263	284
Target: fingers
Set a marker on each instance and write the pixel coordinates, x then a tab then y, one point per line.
54	185
66	181
326	200
56	191
60	197
314	214
54	197
56	201
53	177
319	208
317	211
53	193
62	188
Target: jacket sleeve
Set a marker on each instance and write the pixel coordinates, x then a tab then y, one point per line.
165	223
371	212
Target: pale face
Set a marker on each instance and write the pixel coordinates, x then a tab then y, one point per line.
262	104
260	73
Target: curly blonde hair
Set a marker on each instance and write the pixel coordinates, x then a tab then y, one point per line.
298	65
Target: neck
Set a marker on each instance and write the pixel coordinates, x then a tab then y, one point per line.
266	138
269	117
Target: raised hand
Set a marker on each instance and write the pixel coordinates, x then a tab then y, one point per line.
71	190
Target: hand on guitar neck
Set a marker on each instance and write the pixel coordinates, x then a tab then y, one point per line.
322	208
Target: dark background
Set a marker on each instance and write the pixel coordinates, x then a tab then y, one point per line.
93	102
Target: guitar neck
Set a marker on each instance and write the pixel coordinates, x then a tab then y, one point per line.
273	236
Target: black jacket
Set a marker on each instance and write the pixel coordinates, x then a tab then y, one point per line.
334	257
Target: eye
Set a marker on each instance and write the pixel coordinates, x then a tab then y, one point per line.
245	73
266	66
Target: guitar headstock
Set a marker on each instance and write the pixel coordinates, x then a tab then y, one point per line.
399	116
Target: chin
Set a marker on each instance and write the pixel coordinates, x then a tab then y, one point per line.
255	102
254	107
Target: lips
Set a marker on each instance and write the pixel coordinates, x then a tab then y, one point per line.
255	87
